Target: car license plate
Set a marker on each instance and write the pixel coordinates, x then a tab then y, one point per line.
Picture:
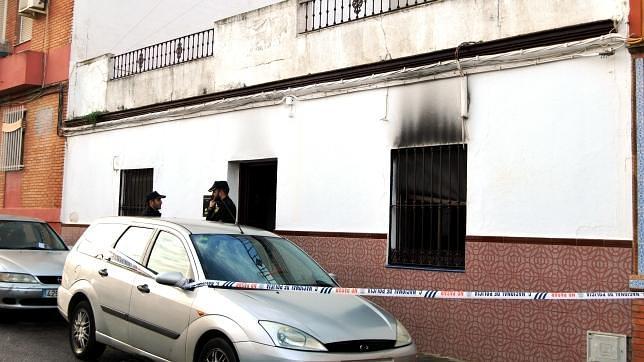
50	293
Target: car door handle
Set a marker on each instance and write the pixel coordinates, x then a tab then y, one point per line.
143	288
102	272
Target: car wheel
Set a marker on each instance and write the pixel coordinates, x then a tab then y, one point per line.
217	350
82	333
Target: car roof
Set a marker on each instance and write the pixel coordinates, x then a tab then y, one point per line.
193	226
19	218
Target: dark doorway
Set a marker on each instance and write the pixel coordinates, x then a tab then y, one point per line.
258	193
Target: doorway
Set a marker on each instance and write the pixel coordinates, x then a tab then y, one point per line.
258	193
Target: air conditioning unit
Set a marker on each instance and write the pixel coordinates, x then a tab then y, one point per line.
5	49
32	8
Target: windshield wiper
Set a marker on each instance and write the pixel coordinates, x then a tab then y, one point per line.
30	248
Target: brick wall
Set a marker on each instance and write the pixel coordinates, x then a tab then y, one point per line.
43	155
638	330
59	28
60	24
11	32
43	150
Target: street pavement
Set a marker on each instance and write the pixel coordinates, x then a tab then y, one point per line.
42	336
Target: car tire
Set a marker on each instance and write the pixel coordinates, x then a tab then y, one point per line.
82	333
217	350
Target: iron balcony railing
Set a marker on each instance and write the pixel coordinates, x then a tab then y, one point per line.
176	51
319	14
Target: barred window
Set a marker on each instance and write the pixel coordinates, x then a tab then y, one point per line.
12	135
135	185
427	214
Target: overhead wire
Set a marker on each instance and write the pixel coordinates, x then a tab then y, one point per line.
539	55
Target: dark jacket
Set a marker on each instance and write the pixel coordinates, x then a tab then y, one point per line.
224	211
151	212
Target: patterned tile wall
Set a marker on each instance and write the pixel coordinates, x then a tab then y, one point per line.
493	330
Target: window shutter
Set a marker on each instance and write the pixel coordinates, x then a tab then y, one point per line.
3	20
25	29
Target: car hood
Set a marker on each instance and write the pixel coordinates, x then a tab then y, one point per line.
36	262
329	318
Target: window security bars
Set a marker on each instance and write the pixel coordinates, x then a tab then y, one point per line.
135	185
319	14
176	51
12	137
427	213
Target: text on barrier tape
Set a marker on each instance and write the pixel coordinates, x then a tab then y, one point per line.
414	293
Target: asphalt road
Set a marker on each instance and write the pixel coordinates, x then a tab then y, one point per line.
42	336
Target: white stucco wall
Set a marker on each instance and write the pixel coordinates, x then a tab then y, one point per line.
549	156
264	45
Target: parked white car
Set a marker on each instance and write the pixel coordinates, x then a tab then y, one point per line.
124	286
32	256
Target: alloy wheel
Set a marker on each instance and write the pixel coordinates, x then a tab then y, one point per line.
216	355
81	330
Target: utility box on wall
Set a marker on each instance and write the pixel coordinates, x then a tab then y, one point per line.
605	347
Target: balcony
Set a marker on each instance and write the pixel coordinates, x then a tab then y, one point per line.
21	71
176	51
320	14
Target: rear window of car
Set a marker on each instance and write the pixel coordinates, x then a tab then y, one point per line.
98	237
133	243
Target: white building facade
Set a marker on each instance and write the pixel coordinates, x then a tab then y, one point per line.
450	145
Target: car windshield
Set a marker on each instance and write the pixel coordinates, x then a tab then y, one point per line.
27	235
257	259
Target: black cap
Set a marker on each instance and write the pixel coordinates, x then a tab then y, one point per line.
222	185
154	195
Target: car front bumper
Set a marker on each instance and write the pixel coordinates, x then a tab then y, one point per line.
251	351
26	296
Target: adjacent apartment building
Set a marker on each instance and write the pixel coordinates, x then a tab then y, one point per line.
35	43
452	145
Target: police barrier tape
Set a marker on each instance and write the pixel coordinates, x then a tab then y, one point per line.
414	293
398	293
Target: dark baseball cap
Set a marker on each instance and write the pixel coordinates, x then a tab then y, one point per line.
154	195
222	185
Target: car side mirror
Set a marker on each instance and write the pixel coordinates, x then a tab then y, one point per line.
334	277
173	279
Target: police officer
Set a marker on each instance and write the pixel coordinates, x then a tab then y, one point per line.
221	207
153	204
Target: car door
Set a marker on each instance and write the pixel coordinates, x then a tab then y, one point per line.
116	275
159	314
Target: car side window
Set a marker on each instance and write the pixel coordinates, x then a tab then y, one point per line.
132	244
169	255
98	237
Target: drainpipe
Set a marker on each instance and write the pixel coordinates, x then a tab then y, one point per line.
61	102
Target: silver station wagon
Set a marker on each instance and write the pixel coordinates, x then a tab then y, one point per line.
124	285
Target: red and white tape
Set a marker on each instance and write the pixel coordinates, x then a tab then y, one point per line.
415	293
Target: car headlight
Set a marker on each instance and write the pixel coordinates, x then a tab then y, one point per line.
289	337
17	278
403	337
